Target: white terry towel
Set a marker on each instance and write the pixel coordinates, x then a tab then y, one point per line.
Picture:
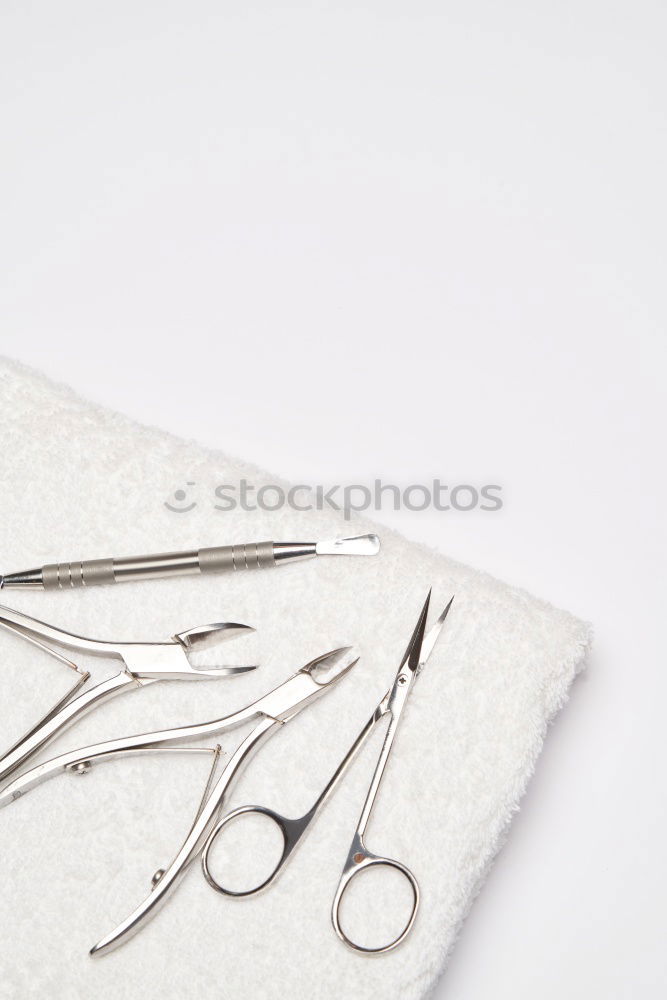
78	853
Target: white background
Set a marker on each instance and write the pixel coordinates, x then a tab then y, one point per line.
397	240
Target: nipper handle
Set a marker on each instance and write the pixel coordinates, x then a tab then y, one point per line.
56	722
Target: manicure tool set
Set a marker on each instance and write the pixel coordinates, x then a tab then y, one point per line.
146	662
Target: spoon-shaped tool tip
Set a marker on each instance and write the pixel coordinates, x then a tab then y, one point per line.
356	545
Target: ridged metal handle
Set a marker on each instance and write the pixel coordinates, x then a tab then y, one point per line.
221	558
58	576
256	555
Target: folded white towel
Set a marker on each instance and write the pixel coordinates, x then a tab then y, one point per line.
78	853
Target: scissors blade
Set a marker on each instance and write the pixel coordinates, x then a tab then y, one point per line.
412	654
431	636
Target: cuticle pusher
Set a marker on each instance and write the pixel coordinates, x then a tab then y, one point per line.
215	559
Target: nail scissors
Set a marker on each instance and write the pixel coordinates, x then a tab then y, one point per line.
272	710
359	858
143	663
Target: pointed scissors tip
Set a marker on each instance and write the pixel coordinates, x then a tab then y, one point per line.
431	637
411	657
445	611
424	611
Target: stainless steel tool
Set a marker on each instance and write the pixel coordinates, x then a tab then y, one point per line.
143	663
217	559
270	713
359	858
